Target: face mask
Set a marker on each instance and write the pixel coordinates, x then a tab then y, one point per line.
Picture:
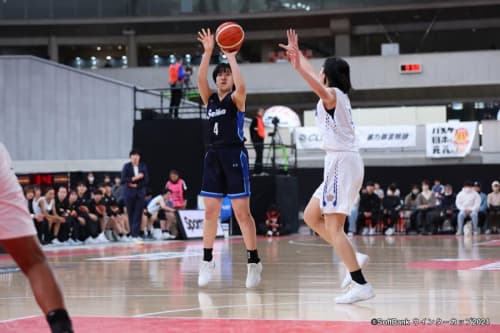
91	179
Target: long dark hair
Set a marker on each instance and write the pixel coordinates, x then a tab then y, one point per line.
338	73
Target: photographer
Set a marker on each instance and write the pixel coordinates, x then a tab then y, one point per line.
177	76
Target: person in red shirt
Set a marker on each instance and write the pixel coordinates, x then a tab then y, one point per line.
178	188
273	221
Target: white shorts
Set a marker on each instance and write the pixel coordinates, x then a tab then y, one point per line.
342	181
15	220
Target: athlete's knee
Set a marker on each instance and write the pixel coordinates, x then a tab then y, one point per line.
311	216
28	260
243	216
211	215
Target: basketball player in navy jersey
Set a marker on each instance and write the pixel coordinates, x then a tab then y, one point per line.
343	173
226	170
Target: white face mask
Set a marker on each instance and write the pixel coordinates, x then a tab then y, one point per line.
91	179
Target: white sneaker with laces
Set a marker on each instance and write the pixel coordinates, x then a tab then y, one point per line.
363	260
101	238
89	241
467	229
206	271
365	231
253	275
372	232
137	241
389	232
56	242
356	293
167	235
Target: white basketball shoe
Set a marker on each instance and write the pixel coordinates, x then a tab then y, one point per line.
363	260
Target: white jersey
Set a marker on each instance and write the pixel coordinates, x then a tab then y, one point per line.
338	132
154	204
15	220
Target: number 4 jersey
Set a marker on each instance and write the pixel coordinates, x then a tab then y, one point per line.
225	121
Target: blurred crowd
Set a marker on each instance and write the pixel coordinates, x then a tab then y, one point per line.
428	209
95	213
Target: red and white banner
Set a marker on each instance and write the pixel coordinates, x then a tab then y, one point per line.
452	139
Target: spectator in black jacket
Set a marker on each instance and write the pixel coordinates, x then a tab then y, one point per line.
78	233
61	210
97	213
391	205
82	207
448	211
135	179
369	211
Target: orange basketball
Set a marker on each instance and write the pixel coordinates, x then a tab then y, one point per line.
229	36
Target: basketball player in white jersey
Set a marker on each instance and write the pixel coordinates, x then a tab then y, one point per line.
343	173
18	237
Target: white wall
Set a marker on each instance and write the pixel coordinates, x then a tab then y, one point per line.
406	115
368	72
51	112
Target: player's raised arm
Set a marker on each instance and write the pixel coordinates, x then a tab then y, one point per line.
240	94
306	70
206	38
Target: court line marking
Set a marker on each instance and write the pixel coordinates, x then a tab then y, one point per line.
225	307
361	245
165	295
18	318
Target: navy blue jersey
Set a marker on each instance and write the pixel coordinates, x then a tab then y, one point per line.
225	121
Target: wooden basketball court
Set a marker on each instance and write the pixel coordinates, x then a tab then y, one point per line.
428	284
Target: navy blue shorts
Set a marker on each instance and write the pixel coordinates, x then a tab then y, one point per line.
225	172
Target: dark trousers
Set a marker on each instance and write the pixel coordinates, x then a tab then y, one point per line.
259	152
481	219
42	230
91	227
175	101
494	219
65	229
390	217
135	207
362	221
426	220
